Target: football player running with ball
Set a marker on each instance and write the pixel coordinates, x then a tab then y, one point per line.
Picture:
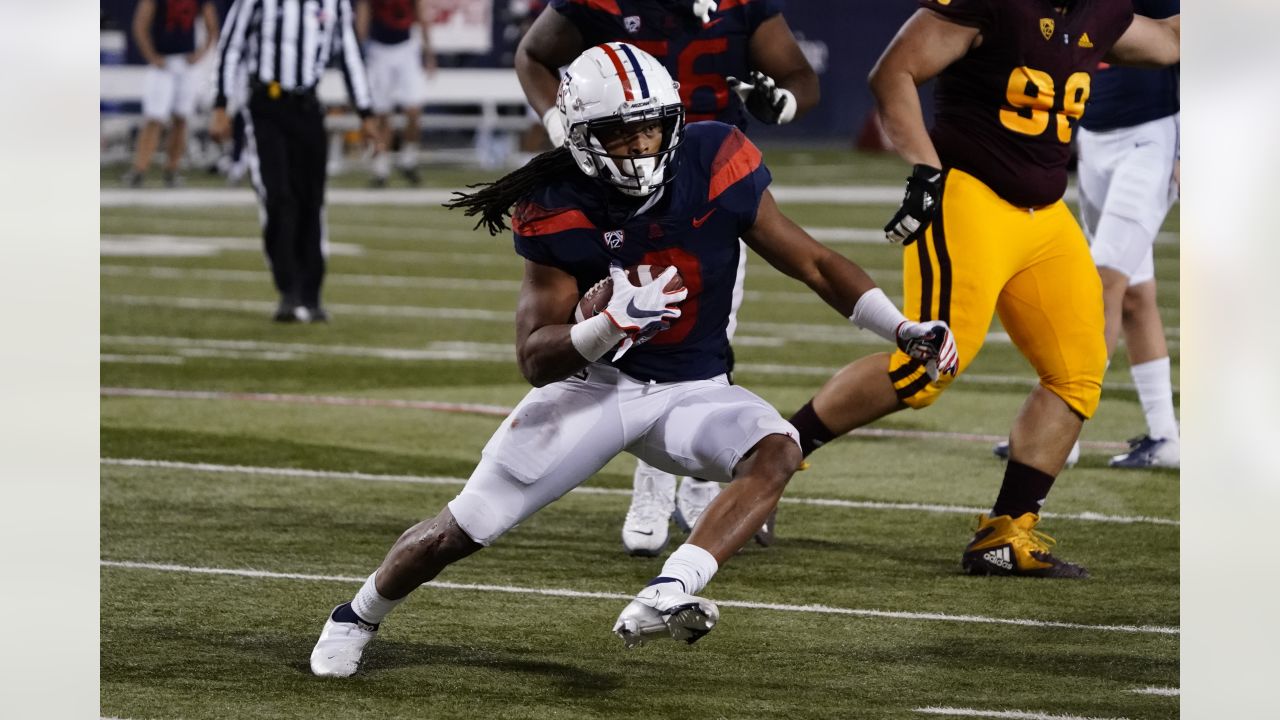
633	186
987	232
737	62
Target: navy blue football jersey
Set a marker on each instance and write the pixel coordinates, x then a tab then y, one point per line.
573	224
698	57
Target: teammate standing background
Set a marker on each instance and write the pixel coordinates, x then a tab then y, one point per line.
983	208
397	56
285	46
627	190
730	60
1128	149
164	31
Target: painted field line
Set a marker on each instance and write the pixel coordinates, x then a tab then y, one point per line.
1011	714
446	480
503	411
747	604
1166	691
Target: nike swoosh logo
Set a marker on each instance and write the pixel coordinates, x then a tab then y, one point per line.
697	222
713	22
640	532
636	312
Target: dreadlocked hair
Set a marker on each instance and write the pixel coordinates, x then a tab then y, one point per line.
493	201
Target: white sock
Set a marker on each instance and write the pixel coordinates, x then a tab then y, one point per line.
408	155
371	606
1155	392
692	566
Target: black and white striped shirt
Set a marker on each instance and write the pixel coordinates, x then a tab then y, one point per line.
289	42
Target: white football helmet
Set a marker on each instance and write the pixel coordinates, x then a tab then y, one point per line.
616	84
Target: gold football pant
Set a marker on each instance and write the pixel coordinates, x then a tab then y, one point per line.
982	255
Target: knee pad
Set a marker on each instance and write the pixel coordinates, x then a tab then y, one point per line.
912	383
1080	388
489	505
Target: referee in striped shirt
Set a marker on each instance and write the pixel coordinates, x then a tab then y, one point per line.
283	46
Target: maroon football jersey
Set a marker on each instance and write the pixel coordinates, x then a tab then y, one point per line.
1006	111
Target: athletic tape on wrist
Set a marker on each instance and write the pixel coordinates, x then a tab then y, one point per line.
875	312
592	338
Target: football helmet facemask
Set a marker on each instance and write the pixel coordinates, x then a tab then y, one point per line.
614	85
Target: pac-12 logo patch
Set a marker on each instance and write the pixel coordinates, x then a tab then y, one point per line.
632	23
1046	27
613	238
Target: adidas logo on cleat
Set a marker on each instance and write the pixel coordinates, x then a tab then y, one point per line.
999	557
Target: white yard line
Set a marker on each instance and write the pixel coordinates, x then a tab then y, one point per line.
1010	714
1165	691
444	480
752	605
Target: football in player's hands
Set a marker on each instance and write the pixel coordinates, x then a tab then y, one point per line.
596	299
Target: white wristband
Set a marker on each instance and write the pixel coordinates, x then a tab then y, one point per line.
593	338
552	121
876	313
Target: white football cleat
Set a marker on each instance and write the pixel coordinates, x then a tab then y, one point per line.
648	520
692	500
337	652
665	611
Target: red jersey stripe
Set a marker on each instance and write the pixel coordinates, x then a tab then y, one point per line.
622	72
531	220
609	6
737	158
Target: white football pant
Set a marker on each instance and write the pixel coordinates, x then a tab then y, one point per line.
562	434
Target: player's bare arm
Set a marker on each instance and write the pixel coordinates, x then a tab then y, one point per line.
551	43
429	62
364	14
773	51
544	349
923	48
846	287
1149	43
209	15
142	18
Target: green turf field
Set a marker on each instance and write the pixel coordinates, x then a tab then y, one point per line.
254	473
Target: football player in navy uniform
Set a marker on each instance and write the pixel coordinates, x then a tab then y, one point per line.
734	60
396	56
986	231
633	186
164	32
1128	148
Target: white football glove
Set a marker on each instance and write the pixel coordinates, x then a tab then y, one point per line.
932	343
553	121
644	311
702	10
762	97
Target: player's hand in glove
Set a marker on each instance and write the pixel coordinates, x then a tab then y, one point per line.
932	343
762	97
919	204
642	311
702	10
